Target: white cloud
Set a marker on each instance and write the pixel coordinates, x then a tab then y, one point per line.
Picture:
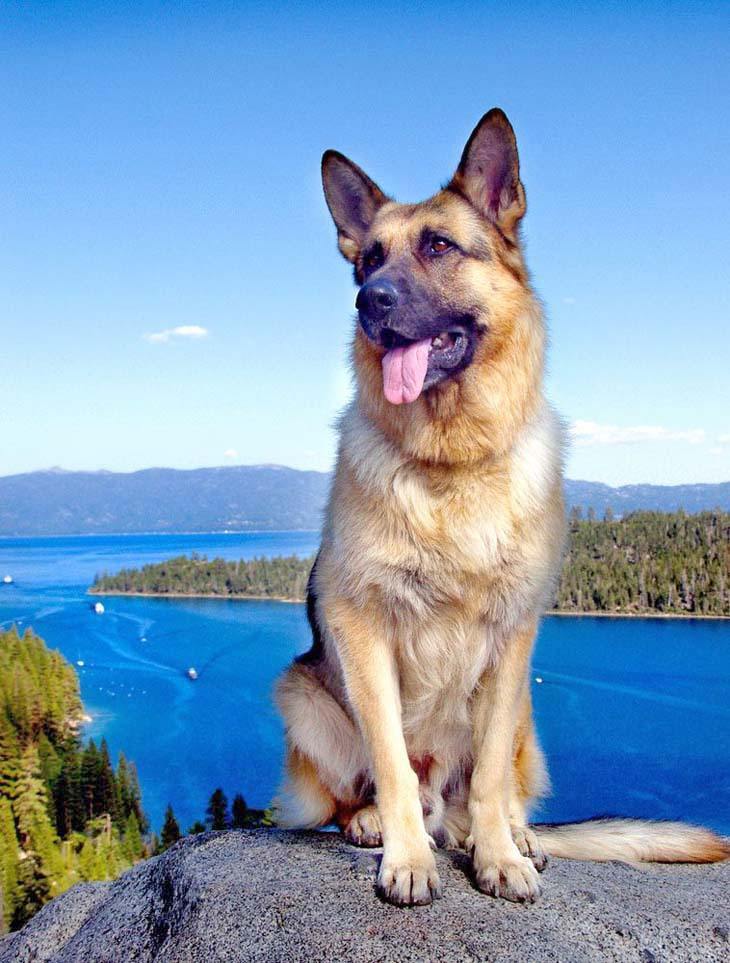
194	331
569	300
723	439
585	433
230	453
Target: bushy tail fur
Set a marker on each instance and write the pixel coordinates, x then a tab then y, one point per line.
633	841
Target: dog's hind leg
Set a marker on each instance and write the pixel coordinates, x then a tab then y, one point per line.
326	763
362	828
456	821
303	801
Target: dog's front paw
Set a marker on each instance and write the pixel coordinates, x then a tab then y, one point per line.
507	875
409	882
529	845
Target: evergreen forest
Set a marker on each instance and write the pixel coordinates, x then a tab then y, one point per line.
647	563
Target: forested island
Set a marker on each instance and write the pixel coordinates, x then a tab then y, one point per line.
647	563
283	578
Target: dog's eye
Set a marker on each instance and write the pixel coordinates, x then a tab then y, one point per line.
374	258
439	245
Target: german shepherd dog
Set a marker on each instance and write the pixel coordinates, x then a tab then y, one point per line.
408	722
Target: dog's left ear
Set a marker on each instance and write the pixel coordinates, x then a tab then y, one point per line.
353	200
488	174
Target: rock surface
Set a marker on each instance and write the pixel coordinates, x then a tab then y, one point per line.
275	896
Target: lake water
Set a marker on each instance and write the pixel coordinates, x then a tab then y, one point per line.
634	714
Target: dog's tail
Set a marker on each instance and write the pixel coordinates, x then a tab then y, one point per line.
633	841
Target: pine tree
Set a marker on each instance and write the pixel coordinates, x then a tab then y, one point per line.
9	852
124	787
89	777
196	828
31	800
9	758
217	811
239	812
44	843
170	830
136	799
86	861
106	794
50	761
132	846
34	889
68	805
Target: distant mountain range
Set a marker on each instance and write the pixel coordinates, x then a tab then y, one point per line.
246	498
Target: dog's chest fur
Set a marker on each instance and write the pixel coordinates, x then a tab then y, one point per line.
455	561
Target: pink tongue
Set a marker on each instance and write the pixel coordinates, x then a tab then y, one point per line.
404	370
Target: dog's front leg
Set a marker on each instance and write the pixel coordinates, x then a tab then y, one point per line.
408	870
499	868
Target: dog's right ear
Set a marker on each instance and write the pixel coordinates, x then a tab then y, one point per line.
353	200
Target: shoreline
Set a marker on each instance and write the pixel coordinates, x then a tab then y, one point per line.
197	595
562	613
636	615
222	531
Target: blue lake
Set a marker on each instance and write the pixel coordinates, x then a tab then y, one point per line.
634	714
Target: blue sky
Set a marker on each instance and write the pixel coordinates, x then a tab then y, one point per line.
160	171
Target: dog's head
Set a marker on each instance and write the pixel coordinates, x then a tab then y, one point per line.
439	281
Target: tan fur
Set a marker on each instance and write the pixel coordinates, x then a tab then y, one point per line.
633	841
443	537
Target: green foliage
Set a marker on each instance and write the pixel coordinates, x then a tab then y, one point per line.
30	798
34	888
132	846
648	562
65	814
9	855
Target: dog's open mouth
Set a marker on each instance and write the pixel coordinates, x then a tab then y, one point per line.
410	367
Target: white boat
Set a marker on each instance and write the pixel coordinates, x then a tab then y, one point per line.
538	679
99	608
8	580
192	673
80	663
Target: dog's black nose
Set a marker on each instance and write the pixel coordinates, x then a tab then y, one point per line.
376	298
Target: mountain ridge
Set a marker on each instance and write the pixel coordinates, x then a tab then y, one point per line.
241	498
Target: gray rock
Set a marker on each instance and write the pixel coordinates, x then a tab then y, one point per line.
275	896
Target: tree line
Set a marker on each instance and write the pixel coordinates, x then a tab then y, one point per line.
218	816
644	563
67	814
647	563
